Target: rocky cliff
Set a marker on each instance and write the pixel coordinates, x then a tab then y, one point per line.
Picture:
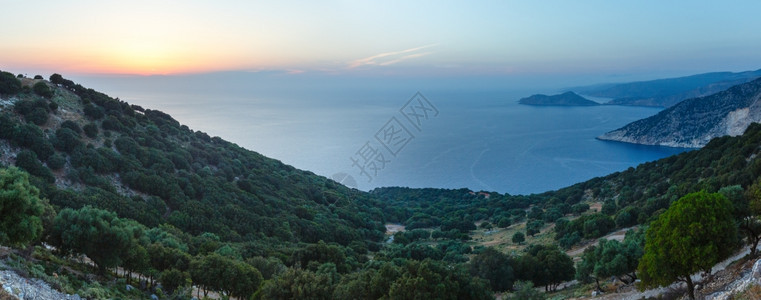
694	122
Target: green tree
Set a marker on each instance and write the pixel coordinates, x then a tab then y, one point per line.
71	125
38	115
694	234
41	88
503	222
9	84
533	227
609	207
433	280
518	238
56	78
245	280
66	140
91	130
747	211
486	225
547	266
219	273
579	208
97	233
493	266
28	161
585	269
20	208
611	258
597	225
299	284
136	260
56	161
173	279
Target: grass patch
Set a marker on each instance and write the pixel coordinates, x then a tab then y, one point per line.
752	292
501	238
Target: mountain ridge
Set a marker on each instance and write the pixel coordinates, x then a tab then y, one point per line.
667	92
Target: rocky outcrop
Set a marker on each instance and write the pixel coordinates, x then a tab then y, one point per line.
694	122
737	286
24	288
564	99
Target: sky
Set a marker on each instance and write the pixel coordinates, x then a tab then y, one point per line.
379	38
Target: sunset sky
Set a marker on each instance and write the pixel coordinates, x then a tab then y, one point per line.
379	37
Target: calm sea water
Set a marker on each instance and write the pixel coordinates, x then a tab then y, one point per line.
482	140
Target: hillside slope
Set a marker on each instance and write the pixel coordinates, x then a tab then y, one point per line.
694	122
86	148
669	91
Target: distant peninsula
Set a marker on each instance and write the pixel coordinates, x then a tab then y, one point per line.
694	122
564	99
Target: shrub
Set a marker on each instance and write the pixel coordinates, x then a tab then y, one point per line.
7	127
66	140
30	136
41	88
56	161
503	222
93	112
28	161
91	130
38	116
56	78
9	84
71	125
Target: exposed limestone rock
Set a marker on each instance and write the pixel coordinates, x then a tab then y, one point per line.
694	122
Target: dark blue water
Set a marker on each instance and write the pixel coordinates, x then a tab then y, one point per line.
482	140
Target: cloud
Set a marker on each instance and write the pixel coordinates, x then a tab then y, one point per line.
390	58
294	71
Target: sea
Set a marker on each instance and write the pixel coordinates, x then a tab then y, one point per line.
368	133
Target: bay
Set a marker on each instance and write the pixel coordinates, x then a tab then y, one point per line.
480	137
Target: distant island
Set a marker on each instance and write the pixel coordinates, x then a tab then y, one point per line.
564	99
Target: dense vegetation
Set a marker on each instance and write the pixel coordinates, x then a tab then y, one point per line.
135	191
146	185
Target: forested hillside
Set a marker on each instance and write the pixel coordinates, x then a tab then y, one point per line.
86	149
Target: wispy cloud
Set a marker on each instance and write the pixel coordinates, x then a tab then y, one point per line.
390	58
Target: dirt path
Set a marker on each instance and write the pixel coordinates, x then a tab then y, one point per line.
394	228
618	235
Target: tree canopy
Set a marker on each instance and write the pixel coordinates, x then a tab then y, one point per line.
612	258
97	233
495	267
694	234
20	208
